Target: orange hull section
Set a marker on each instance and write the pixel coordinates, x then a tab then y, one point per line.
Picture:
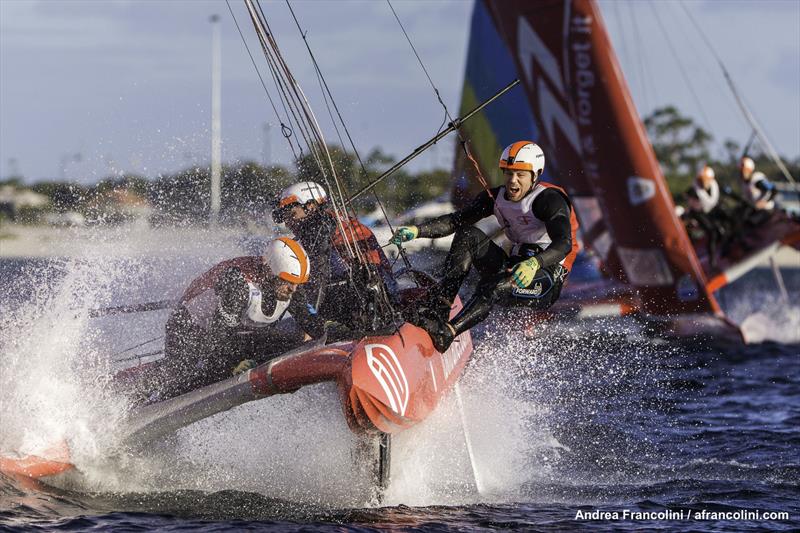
50	463
386	383
396	381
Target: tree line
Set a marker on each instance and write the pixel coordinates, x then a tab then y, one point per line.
682	147
249	190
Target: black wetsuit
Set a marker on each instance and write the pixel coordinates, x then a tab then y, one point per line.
472	247
200	349
338	288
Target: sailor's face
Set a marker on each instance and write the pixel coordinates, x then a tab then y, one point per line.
706	180
295	217
518	183
284	290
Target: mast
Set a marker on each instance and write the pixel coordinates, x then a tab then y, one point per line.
216	126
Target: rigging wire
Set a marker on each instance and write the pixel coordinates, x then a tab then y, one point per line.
641	45
627	52
461	138
638	52
297	102
326	90
126	350
324	83
771	152
686	77
707	69
286	131
327	95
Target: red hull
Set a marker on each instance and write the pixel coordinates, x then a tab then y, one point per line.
386	384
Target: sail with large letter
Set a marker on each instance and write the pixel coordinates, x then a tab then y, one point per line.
597	148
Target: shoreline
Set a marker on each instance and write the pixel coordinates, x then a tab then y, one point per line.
139	239
129	240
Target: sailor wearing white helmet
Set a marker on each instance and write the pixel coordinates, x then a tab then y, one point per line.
757	189
538	220
338	285
230	313
703	200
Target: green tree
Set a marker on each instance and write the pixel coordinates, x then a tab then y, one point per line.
681	146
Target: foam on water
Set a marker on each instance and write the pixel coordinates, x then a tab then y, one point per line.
763	313
295	447
54	359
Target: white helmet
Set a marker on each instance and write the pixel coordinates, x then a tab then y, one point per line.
287	259
302	193
747	166
523	155
706	172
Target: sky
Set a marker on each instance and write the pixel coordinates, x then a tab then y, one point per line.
90	89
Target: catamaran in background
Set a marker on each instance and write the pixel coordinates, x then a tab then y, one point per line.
574	101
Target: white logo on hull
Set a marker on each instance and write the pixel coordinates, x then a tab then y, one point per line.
390	375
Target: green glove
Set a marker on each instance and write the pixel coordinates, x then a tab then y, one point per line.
244	366
404	234
524	272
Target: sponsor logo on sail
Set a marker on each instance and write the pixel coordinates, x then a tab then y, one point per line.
387	369
640	190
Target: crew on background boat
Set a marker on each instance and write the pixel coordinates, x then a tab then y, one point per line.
757	189
229	315
703	201
540	223
345	255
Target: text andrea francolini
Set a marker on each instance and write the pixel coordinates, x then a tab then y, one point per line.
627	514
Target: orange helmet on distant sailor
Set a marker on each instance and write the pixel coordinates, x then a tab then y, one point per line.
523	155
287	259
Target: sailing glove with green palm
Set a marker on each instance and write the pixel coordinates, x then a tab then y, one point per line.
404	234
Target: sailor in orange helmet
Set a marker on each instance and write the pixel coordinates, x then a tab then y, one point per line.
338	285
231	313
540	223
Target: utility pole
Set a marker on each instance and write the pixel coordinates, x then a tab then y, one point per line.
216	140
267	144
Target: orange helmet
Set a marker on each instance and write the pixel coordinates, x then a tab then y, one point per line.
523	155
287	259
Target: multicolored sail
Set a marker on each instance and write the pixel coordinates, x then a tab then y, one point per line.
582	113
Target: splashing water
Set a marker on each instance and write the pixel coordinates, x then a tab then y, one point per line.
50	362
764	315
578	415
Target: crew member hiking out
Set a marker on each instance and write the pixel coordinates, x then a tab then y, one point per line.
757	189
703	200
540	223
345	256
229	315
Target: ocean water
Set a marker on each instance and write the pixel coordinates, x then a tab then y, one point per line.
562	426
